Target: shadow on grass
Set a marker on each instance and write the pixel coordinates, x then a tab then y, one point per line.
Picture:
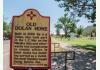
88	47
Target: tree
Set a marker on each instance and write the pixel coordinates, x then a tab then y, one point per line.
67	24
79	31
80	8
72	26
7	29
4	25
94	30
58	27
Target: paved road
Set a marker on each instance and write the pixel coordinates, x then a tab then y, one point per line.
6	48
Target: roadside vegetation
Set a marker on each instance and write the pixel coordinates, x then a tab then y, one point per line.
82	42
6	30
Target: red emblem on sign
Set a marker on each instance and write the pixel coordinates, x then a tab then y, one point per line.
31	15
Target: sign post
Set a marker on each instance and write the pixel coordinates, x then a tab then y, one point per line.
30	46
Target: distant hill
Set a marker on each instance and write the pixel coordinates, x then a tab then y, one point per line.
88	30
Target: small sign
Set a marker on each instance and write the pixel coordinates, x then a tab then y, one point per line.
30	42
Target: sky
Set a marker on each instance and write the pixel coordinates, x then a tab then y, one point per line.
45	8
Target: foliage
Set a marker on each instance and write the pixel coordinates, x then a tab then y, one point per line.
68	25
79	30
72	26
7	29
4	25
58	27
80	8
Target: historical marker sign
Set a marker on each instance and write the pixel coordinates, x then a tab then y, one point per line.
30	42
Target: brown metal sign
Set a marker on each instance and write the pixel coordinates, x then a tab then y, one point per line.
30	42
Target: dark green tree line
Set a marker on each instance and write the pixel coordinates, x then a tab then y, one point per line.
7	28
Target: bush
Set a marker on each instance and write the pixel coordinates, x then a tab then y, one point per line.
8	35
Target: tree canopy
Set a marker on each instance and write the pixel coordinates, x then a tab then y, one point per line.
67	24
79	30
7	28
80	8
4	25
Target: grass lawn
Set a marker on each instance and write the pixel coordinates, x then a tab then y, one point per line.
84	42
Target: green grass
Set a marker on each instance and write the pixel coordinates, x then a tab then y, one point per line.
84	42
